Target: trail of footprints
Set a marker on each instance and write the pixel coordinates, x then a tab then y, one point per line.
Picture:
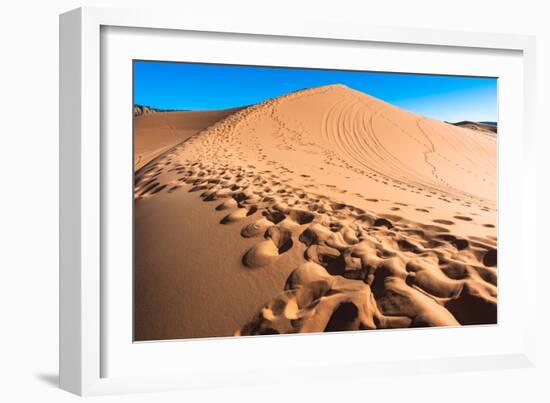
360	270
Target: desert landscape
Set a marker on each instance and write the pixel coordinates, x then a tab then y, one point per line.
325	209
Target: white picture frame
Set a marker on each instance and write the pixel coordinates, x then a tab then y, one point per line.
83	307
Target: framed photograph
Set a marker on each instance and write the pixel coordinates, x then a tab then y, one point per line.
243	202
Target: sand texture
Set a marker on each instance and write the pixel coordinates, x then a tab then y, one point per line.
157	132
321	210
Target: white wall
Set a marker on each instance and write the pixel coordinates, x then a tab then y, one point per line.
29	185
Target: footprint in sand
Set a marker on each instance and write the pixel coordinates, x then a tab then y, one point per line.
277	241
238	214
463	218
227	204
444	222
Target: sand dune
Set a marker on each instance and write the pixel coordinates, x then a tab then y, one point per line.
158	131
321	210
478	126
140	110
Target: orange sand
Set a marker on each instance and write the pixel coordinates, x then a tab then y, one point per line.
321	210
157	132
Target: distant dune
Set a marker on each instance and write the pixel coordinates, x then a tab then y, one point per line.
157	131
140	110
321	210
485	127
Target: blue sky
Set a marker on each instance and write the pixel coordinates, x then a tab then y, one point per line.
197	86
